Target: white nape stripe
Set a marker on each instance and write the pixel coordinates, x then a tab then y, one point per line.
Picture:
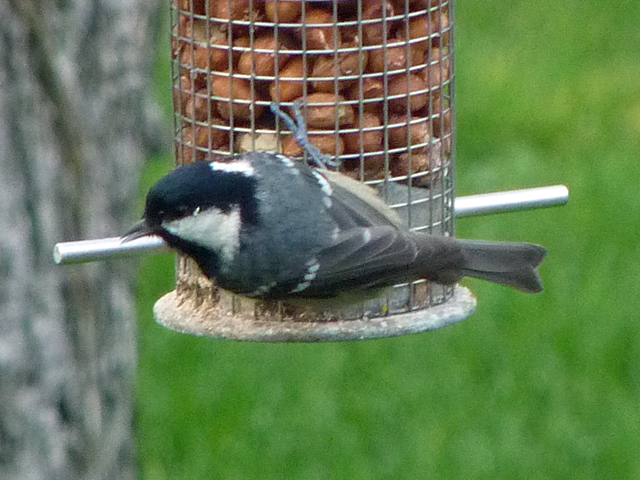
286	160
238	166
212	229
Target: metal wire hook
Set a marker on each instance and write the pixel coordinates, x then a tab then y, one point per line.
298	128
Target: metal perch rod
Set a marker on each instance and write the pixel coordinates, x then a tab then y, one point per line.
510	201
105	248
483	204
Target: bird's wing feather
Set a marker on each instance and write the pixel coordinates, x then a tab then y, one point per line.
362	258
368	249
360	202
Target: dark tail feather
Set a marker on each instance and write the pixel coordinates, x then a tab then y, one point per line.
512	264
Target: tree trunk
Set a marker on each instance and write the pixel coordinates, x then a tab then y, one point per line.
76	122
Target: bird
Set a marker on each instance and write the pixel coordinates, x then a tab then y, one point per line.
269	227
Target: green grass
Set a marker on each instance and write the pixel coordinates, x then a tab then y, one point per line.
544	386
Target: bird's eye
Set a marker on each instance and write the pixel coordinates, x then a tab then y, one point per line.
183	211
196	211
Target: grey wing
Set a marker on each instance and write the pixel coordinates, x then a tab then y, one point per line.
357	204
360	259
368	249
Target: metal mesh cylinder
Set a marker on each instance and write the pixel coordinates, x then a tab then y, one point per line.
375	80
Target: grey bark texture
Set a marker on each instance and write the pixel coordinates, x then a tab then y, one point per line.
76	122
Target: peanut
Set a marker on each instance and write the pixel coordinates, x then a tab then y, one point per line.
376	24
371	135
230	9
329	144
264	142
319	37
196	107
282	11
196	141
235	98
437	71
418	130
372	167
414	163
181	94
411	88
325	110
198	6
429	30
441	117
290	83
263	62
371	94
395	56
350	63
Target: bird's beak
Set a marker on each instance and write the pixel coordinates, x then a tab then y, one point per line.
140	229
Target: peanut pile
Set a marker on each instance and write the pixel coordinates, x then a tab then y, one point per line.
373	78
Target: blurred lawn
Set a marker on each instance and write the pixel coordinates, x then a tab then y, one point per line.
544	386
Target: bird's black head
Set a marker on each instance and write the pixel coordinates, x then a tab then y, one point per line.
201	185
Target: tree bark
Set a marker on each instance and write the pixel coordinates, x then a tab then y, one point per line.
76	122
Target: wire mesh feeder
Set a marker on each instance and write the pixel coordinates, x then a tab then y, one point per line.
375	81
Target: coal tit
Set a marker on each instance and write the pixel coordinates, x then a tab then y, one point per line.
266	226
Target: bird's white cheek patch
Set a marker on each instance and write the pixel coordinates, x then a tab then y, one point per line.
212	229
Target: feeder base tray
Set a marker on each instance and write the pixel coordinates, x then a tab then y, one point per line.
218	322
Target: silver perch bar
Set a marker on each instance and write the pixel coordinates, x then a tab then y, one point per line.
510	201
66	253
